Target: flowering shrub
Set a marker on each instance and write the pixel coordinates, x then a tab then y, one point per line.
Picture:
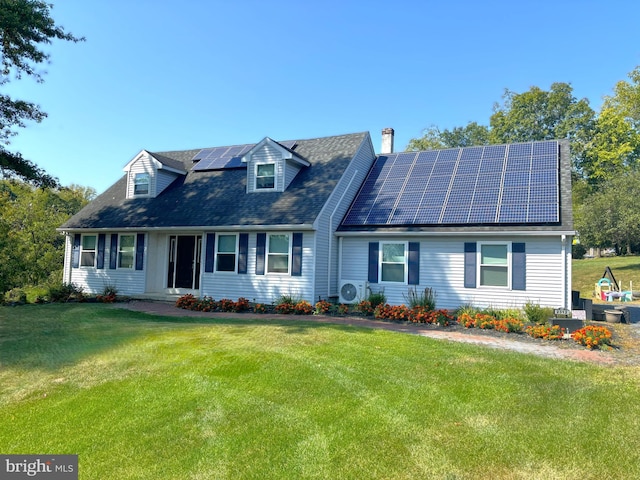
285	308
110	298
343	309
421	314
546	332
365	307
592	336
186	301
392	312
509	325
302	308
322	307
208	304
487	322
260	308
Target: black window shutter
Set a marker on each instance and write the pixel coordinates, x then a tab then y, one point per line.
373	261
101	241
75	254
140	251
518	266
209	254
243	249
296	252
113	252
470	261
414	263
261	242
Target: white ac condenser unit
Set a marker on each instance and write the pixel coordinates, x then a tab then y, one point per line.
352	291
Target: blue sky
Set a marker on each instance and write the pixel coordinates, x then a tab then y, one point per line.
166	75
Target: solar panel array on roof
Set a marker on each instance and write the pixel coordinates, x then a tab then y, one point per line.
220	158
496	184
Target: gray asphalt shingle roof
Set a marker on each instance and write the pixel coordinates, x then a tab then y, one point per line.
219	199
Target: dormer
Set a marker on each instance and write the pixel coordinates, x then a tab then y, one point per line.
271	166
148	174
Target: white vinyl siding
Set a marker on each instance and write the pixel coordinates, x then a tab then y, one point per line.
265	288
442	268
144	165
128	281
327	250
266	155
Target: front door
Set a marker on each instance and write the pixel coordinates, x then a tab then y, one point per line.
184	261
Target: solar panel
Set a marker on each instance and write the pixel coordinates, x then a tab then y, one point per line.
220	158
495	184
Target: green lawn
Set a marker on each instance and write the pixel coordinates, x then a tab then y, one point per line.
142	397
586	272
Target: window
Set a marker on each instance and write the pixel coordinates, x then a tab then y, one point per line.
393	260
265	176
141	184
126	251
226	253
88	253
494	265
278	253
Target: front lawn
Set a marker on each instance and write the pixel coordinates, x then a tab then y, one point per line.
142	397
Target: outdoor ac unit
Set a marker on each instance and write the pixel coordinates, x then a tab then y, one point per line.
352	291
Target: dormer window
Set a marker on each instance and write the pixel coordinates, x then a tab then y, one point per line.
265	176
141	184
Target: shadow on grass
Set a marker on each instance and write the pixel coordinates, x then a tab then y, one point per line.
52	336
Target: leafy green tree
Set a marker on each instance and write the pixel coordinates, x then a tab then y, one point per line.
610	217
613	149
544	115
467	136
25	25
523	117
30	247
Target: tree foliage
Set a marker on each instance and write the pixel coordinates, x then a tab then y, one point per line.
25	26
467	136
30	247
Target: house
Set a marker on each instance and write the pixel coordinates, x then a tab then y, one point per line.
327	217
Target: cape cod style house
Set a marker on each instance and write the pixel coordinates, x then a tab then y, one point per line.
327	217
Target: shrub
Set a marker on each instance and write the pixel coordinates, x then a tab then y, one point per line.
260	308
546	332
425	299
322	307
537	314
365	307
343	309
392	312
378	298
186	301
15	296
302	307
65	292
592	336
109	294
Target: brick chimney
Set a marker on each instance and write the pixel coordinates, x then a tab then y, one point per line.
387	140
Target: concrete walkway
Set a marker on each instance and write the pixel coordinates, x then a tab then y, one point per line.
545	349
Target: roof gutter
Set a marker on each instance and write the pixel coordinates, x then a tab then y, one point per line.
458	233
202	228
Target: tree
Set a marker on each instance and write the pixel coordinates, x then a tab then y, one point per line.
25	25
467	136
31	249
613	149
523	117
610	216
544	115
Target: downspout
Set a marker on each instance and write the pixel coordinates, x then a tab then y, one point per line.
330	235
565	280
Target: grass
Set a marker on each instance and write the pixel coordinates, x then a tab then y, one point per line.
142	397
586	272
